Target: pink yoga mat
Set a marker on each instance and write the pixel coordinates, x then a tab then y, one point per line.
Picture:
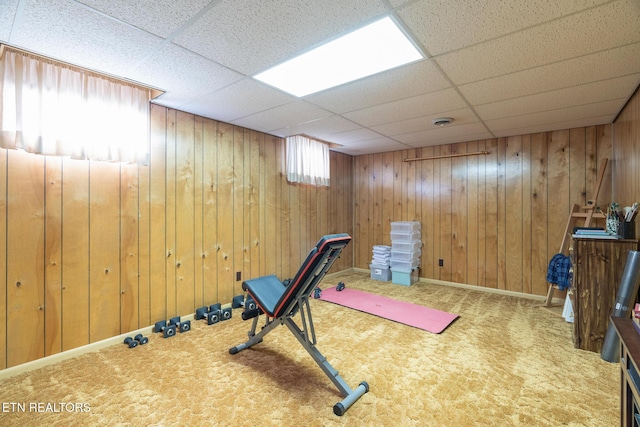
418	316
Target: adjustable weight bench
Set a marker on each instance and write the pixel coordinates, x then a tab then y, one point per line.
280	302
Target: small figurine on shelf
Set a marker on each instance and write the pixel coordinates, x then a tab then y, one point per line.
613	218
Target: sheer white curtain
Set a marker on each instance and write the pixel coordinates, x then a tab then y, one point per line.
307	161
53	109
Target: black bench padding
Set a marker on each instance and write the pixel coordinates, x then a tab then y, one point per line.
275	299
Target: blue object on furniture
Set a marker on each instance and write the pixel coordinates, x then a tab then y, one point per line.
280	303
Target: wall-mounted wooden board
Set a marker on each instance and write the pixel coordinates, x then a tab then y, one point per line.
129	248
104	251
25	258
157	214
53	256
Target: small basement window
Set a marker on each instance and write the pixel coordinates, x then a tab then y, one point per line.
307	161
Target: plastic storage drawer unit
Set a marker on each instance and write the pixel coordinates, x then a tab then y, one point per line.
412	245
404	237
405	256
405	227
404	265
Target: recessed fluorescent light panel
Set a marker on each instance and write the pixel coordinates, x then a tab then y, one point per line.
372	49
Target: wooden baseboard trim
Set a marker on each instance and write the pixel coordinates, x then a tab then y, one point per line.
478	288
69	354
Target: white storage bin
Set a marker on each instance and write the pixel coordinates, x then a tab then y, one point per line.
411	245
405	256
380	249
404	237
405	226
404	265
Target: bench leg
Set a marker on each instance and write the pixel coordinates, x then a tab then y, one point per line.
253	337
350	396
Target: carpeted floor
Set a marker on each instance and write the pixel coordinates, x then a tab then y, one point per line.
502	363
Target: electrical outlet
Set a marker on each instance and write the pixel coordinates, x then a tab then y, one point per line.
440	263
238	276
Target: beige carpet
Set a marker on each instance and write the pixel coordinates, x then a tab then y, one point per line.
502	363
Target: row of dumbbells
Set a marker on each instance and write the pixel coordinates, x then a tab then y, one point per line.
212	314
215	313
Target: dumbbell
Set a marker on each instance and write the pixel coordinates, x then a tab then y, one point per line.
141	339
250	307
240	301
167	330
130	342
211	315
224	313
181	326
340	287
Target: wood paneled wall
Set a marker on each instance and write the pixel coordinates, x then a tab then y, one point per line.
90	250
495	220
626	154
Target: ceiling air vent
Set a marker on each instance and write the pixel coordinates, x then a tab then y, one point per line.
442	121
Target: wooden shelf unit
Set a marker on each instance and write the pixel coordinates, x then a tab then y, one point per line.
597	271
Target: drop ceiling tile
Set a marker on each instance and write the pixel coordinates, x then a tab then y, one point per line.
586	69
283	116
370	146
165	17
458	133
431	141
354	135
240	99
7	16
321	128
183	74
71	32
424	123
416	106
562	98
576	35
549	127
270	32
442	26
583	112
411	80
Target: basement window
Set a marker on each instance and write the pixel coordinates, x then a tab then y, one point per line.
307	161
53	108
